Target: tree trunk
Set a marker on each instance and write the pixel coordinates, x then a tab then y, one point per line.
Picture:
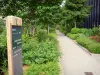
48	28
75	25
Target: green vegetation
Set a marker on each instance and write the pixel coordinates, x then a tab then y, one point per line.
82	37
50	68
42	53
3	49
40	50
1	26
73	36
40	18
91	45
78	10
73	14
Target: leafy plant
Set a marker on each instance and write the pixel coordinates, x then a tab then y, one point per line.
50	68
3	52
84	41
52	37
83	30
42	48
1	26
94	48
89	32
91	45
75	30
40	52
73	36
42	35
95	30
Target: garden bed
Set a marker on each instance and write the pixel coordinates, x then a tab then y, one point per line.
40	54
87	39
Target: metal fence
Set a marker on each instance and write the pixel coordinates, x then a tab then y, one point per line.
94	17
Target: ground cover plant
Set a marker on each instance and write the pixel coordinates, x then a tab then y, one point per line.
41	54
50	68
41	51
88	38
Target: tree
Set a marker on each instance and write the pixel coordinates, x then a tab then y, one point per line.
75	11
46	15
1	26
32	11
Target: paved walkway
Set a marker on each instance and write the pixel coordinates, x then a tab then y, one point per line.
75	60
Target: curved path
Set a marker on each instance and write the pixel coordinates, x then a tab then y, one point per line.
75	60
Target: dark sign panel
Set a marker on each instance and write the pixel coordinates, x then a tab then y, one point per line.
17	49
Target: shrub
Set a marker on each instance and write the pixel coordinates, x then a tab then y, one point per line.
28	49
41	55
42	35
89	32
75	30
1	26
99	32
95	30
84	41
3	52
65	28
50	68
52	37
25	38
52	30
73	36
83	30
91	45
94	48
42	52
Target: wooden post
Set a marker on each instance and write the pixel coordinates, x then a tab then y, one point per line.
14	45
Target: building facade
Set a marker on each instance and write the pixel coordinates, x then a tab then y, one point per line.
94	17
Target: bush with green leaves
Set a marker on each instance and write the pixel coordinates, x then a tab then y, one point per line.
52	30
3	52
52	37
42	56
89	32
84	41
50	68
91	45
1	26
38	50
65	28
73	36
42	52
83	30
95	30
75	30
81	36
42	35
94	48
